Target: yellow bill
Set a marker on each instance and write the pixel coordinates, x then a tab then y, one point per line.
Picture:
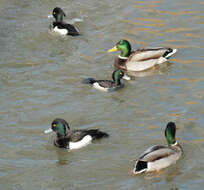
113	49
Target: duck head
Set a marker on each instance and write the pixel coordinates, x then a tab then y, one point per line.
58	14
124	47
60	127
170	133
117	76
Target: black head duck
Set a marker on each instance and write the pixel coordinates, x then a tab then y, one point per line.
73	139
61	27
108	85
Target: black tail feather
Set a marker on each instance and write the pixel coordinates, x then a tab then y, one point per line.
75	34
89	81
97	134
168	51
140	166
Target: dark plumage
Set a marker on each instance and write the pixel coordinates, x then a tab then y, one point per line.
77	135
61	27
74	139
107	85
141	165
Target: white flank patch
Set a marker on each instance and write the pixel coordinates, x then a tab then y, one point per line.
170	54
97	86
84	142
60	31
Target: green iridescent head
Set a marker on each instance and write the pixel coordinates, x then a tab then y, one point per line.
60	126
117	75
123	46
170	133
58	14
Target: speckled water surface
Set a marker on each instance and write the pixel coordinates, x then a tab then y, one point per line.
40	79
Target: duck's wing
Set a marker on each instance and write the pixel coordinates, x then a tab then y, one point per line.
105	83
155	153
150	53
72	30
76	135
144	65
62	143
96	133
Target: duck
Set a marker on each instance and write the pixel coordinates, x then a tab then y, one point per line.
61	27
140	59
73	139
158	157
108	85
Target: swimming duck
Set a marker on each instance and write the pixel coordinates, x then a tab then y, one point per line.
158	157
108	85
59	26
73	139
141	59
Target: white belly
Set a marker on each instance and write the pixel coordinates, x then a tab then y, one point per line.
83	142
60	31
97	86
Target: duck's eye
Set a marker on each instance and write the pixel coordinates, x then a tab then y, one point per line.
54	13
54	125
121	73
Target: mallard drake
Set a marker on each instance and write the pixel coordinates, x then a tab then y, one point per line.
59	26
108	85
158	157
73	139
140	59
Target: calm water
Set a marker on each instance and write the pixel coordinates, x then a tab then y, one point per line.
40	79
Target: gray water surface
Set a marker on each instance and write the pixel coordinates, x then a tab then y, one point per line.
40	79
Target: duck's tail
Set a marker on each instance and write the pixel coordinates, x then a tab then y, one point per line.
169	52
140	167
89	81
97	134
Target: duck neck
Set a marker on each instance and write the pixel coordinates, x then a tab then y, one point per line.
177	146
116	78
61	143
170	137
117	81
